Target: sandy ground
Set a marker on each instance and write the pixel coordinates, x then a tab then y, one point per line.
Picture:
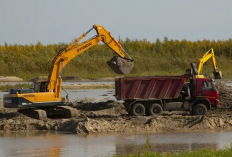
112	117
10	79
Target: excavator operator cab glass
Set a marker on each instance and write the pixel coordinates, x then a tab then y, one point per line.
40	87
43	86
36	87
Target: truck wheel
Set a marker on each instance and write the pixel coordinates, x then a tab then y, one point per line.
200	109
155	110
138	110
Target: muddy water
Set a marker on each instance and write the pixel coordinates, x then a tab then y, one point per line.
93	95
90	94
61	144
229	84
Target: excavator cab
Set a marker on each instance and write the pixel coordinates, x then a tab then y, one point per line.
40	86
121	65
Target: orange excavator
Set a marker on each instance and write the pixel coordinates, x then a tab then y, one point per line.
45	100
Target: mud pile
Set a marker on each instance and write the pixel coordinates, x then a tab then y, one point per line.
225	94
108	109
112	117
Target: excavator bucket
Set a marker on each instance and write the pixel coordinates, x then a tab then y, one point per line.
120	65
217	75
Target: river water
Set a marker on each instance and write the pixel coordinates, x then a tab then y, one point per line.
24	144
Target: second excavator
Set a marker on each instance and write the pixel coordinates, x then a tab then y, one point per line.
209	54
45	100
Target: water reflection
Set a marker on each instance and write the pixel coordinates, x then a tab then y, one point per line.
30	144
171	147
64	144
173	142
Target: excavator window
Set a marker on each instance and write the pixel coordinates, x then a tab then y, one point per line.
43	87
36	87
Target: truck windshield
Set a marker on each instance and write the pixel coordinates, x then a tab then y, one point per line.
208	85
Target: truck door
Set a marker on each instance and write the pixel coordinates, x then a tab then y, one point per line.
206	88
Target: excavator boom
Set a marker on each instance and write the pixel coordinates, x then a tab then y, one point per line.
122	64
209	54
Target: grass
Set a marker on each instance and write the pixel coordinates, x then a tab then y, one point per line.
205	152
227	152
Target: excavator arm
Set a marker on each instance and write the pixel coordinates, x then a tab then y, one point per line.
73	50
209	54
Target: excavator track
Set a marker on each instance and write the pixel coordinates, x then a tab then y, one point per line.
51	112
70	112
34	113
61	112
41	114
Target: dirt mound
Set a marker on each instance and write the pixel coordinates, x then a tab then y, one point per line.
225	94
10	79
108	109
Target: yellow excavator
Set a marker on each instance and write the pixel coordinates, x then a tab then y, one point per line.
209	54
45	100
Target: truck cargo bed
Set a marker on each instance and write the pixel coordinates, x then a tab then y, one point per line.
149	87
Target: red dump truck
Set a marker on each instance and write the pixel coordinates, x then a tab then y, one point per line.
151	95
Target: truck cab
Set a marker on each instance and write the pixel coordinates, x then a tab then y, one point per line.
206	91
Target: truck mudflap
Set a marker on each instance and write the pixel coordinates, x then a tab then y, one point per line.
120	65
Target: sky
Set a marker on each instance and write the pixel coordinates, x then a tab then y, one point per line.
56	21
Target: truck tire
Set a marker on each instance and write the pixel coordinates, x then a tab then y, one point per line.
138	110
199	109
155	110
